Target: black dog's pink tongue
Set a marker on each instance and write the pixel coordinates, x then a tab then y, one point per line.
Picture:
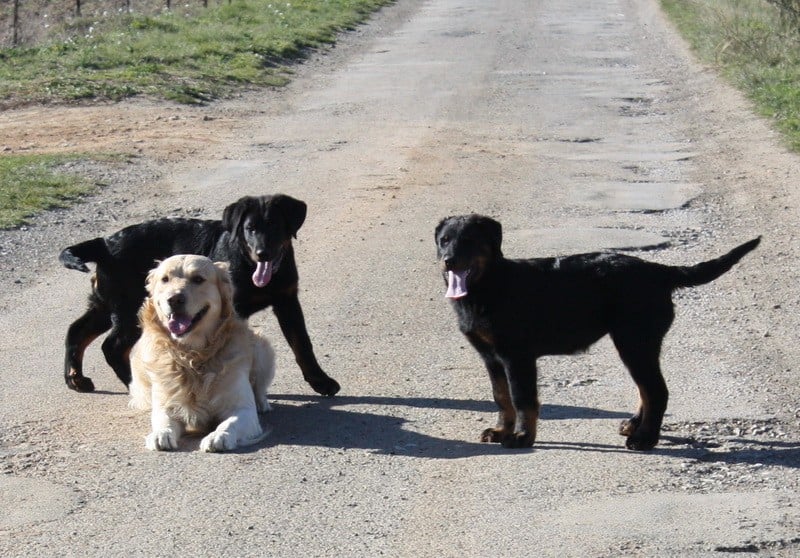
263	274
456	284
178	324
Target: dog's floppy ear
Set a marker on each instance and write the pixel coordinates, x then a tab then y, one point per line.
225	287
233	214
293	210
437	233
147	312
152	279
440	226
493	230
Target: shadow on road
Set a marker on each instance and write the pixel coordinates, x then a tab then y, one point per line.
737	450
320	422
548	412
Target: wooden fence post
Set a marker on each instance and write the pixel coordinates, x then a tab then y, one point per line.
15	24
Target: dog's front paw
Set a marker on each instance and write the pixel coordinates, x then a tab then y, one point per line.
494	435
642	440
162	440
218	441
629	426
516	440
80	384
324	385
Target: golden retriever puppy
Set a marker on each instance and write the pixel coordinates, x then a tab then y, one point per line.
197	365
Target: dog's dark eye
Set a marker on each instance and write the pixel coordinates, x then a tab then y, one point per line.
165	278
444	240
198	279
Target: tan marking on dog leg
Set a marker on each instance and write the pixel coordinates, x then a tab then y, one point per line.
506	414
628	426
525	427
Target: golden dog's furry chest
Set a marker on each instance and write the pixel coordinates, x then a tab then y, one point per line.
188	395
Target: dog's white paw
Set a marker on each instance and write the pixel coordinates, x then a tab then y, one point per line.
218	441
162	440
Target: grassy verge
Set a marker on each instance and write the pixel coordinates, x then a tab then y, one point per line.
189	58
32	183
754	47
174	56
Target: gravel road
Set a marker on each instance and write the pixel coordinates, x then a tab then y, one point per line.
580	125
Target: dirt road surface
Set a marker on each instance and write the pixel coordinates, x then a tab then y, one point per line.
581	125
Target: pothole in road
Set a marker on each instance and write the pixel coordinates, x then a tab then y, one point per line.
583	239
647	524
644	197
28	501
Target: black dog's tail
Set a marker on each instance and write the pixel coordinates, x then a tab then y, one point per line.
705	272
76	257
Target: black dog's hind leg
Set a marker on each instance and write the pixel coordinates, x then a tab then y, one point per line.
117	348
640	351
80	335
293	326
643	430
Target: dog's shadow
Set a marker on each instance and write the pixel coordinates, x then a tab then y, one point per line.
316	422
320	422
744	451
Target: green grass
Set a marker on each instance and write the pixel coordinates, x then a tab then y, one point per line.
187	59
754	48
32	183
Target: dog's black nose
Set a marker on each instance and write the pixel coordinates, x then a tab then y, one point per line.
448	263
177	300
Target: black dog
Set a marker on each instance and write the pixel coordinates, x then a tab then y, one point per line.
254	236
514	311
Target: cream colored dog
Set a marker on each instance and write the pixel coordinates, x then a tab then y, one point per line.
197	364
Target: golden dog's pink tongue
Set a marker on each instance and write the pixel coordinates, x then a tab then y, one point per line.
263	274
456	284
178	325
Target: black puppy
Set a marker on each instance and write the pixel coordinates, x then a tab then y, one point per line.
254	236
514	311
